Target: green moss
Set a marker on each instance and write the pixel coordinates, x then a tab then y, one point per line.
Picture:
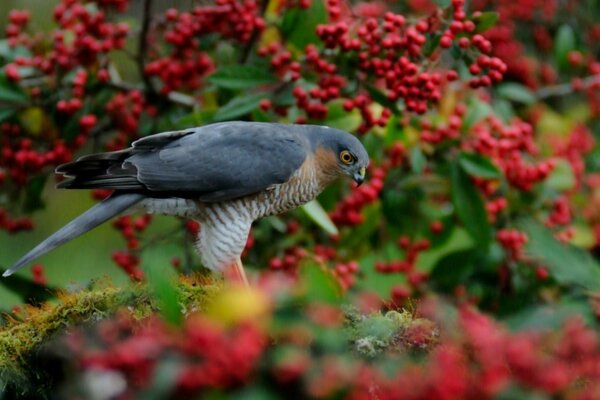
21	339
376	333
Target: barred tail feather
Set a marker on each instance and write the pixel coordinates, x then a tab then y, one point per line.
87	221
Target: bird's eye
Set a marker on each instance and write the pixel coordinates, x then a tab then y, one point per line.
346	157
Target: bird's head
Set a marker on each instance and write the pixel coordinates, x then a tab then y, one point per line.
344	153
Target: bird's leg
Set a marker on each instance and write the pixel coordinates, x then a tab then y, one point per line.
235	273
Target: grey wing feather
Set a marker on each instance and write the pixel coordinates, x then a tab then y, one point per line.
212	163
227	164
87	221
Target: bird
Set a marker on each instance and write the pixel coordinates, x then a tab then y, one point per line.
224	175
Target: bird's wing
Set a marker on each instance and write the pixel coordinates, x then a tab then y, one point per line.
213	163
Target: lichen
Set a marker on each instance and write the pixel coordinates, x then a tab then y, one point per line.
397	331
23	336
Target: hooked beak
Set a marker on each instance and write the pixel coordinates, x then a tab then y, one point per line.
359	176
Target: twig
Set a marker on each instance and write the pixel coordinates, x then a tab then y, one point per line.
143	47
566	88
248	49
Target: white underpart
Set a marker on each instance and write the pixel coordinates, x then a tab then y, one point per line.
224	226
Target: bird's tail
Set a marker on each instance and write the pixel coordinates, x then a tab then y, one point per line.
87	221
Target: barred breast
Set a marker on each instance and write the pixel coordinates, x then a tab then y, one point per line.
224	226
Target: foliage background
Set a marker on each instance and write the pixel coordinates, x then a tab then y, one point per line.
466	267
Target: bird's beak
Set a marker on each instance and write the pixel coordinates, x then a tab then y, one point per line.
359	176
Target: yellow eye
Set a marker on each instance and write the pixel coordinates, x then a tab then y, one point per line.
346	157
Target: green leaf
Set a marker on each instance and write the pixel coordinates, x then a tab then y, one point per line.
10	92
549	316
382	99
33	194
28	290
9	53
563	44
417	160
164	379
299	25
562	176
479	166
161	280
239	106
319	216
319	284
517	93
454	269
341	119
567	264
241	76
469	207
6	114
477	111
442	3
485	21
431	44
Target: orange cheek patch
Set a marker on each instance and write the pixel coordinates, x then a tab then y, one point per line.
327	164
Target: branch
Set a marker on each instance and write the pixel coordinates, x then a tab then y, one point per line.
143	47
248	48
566	88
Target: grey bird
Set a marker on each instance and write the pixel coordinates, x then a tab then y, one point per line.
223	175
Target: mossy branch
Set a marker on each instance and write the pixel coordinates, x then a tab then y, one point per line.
22	337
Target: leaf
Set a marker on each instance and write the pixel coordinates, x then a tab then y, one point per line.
341	119
161	280
431	44
469	207
299	25
241	76
417	160
32	120
239	106
567	264
549	316
477	111
33	194
320	217
517	93
563	44
319	284
442	3
382	99
454	269
164	379
9	53
28	290
485	21
479	166
6	114
562	177
10	92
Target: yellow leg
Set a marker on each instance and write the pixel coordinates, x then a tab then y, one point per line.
235	273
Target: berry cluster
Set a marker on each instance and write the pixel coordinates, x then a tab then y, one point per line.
345	273
131	229
290	261
186	65
348	211
513	241
14	225
443	131
506	145
125	110
20	158
38	275
414	277
210	355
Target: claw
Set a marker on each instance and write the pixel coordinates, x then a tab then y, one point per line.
235	273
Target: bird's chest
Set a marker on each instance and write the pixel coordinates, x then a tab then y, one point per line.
289	195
